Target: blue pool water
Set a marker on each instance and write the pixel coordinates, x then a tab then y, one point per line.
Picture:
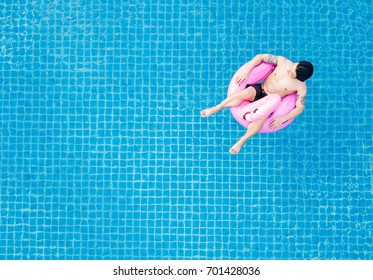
104	154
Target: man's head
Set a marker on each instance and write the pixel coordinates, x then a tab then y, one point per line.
304	70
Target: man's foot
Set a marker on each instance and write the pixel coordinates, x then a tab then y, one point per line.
236	148
208	112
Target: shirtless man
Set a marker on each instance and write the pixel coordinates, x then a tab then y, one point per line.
288	77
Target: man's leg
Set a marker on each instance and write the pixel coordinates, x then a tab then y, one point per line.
252	129
231	101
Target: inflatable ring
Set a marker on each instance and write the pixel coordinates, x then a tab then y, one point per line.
270	107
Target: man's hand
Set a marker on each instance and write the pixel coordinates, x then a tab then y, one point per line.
276	122
241	77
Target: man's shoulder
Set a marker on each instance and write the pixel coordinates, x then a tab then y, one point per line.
302	89
282	60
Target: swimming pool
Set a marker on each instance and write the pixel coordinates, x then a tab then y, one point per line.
104	154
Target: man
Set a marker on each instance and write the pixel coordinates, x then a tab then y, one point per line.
288	77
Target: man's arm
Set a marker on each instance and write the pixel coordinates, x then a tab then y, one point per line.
270	58
259	58
299	107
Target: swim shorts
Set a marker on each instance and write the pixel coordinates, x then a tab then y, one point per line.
260	93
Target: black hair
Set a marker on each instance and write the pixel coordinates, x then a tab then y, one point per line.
304	70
